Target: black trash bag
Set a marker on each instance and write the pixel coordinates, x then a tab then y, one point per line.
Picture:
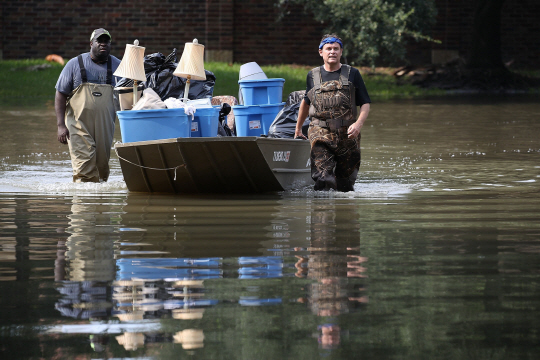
159	77
284	125
200	89
152	63
128	83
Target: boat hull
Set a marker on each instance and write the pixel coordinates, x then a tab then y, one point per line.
215	165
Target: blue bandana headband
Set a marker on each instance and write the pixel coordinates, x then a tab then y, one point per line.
330	40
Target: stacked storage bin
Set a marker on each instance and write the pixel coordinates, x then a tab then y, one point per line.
154	124
261	103
157	124
206	122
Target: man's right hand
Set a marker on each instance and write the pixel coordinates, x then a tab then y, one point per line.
60	101
63	134
298	134
302	115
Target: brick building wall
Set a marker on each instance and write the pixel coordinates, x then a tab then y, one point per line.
259	37
234	30
231	30
35	28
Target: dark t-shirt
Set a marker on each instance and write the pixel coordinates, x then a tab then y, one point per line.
361	93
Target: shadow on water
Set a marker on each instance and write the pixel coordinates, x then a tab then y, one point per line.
434	255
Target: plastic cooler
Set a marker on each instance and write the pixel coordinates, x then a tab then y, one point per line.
206	122
155	124
255	120
262	91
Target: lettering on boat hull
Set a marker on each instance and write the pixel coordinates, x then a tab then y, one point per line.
282	156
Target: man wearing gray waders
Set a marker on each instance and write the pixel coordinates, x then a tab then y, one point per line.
85	110
333	93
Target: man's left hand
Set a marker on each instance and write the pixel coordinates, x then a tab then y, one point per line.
353	131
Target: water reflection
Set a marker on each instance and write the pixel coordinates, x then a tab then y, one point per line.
96	285
445	210
140	262
333	259
85	262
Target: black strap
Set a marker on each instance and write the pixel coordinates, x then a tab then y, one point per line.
83	70
84	78
338	122
109	71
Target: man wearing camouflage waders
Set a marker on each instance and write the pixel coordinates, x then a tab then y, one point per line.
333	93
85	110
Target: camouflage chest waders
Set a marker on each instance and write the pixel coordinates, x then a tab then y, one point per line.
335	159
90	115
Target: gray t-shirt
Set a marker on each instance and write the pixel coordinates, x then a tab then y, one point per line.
70	77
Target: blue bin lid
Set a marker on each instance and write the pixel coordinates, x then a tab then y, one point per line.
137	114
262	81
207	110
264	108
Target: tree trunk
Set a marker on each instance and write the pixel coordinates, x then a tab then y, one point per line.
485	50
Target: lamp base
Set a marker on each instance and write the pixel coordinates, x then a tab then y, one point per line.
186	89
135	92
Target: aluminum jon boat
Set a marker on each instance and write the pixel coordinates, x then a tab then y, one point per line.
215	165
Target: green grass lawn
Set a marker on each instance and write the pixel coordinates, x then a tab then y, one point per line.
380	86
23	82
31	82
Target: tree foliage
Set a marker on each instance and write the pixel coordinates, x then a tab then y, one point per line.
372	30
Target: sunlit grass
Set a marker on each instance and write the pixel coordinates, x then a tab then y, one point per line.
380	86
227	77
27	82
31	82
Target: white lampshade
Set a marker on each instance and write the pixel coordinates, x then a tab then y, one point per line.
192	62
190	338
131	341
132	64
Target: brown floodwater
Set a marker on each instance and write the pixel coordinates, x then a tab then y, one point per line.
435	255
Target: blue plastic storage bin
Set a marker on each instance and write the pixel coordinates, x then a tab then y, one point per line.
206	122
255	120
261	92
154	124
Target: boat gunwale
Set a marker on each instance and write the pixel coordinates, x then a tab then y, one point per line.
205	139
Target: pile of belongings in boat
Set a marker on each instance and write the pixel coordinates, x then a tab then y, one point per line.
162	90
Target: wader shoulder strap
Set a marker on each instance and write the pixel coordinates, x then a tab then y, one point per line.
83	70
344	76
352	90
109	71
317	77
317	81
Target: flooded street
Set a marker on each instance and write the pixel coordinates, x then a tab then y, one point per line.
435	255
